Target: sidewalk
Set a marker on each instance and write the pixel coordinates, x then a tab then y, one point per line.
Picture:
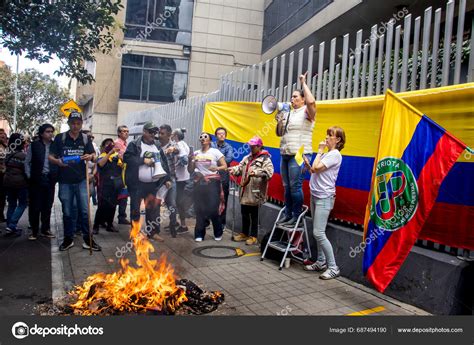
251	287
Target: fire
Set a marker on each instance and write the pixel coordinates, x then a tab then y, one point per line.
151	286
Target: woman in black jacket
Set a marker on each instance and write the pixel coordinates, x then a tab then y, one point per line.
15	183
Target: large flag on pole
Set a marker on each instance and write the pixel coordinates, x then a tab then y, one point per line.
414	156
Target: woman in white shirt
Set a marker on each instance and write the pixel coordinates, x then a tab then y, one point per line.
295	129
205	165
324	173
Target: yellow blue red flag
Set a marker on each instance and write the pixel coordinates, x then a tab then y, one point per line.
414	156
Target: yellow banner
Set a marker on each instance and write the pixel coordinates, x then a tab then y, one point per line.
452	107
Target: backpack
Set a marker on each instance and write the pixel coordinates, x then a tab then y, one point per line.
85	138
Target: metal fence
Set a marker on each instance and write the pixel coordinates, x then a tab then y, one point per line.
418	54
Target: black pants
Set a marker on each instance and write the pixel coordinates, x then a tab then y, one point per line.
122	209
41	201
107	202
184	199
225	188
3	198
249	220
147	192
206	205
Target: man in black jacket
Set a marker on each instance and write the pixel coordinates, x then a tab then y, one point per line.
42	178
143	178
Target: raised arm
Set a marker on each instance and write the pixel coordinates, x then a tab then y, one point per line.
309	98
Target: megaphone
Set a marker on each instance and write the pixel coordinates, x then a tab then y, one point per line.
270	104
157	169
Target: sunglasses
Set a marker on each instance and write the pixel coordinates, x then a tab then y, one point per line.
203	137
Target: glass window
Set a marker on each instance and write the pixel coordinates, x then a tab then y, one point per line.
160	20
153	78
130	83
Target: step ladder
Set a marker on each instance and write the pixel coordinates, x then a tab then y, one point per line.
296	240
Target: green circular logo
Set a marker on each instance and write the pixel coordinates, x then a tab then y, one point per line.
395	194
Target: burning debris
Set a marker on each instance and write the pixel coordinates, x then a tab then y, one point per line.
151	287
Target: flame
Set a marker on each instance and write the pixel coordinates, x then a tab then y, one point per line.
149	286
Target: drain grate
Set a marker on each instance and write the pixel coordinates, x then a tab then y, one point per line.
218	252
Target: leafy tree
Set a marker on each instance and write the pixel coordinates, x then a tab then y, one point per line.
72	30
39	99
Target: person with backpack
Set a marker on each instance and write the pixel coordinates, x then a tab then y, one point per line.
255	169
71	151
16	183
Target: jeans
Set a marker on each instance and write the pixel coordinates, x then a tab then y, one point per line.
206	205
320	209
74	204
41	202
249	220
17	201
147	192
170	201
292	177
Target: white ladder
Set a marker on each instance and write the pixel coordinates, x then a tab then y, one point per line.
296	236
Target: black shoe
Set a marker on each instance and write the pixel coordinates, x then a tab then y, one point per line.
95	247
48	234
124	222
182	230
67	243
173	232
111	228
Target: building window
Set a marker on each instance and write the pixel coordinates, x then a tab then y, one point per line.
153	79
159	20
282	17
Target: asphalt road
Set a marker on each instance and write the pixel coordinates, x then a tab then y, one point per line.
25	272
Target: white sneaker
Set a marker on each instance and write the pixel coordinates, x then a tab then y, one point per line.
330	273
316	266
218	238
198	239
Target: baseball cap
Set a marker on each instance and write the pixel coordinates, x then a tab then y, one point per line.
255	141
74	115
150	126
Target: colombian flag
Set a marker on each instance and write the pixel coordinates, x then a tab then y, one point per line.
414	156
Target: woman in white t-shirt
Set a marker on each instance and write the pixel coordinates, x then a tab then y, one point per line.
183	183
205	165
324	173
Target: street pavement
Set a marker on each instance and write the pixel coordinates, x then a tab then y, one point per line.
251	287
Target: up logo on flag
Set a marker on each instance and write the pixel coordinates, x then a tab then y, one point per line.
395	196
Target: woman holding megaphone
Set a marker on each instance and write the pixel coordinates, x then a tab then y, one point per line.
295	127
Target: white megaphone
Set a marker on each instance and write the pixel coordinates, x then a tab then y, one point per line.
158	171
270	104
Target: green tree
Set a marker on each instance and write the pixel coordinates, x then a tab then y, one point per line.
72	30
39	100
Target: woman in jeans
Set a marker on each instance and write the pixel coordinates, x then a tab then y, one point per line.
15	182
324	173
295	129
205	165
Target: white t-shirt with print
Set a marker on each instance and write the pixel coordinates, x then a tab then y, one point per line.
182	173
145	173
323	184
204	160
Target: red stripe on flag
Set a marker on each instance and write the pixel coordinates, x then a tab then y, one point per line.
397	248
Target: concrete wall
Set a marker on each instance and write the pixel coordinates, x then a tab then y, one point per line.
227	34
436	282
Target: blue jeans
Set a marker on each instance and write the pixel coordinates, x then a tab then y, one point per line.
74	197
17	201
320	209
292	177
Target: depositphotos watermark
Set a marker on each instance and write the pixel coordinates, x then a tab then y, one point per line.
368	240
21	330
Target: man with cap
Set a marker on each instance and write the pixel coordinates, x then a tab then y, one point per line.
255	170
143	180
71	151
